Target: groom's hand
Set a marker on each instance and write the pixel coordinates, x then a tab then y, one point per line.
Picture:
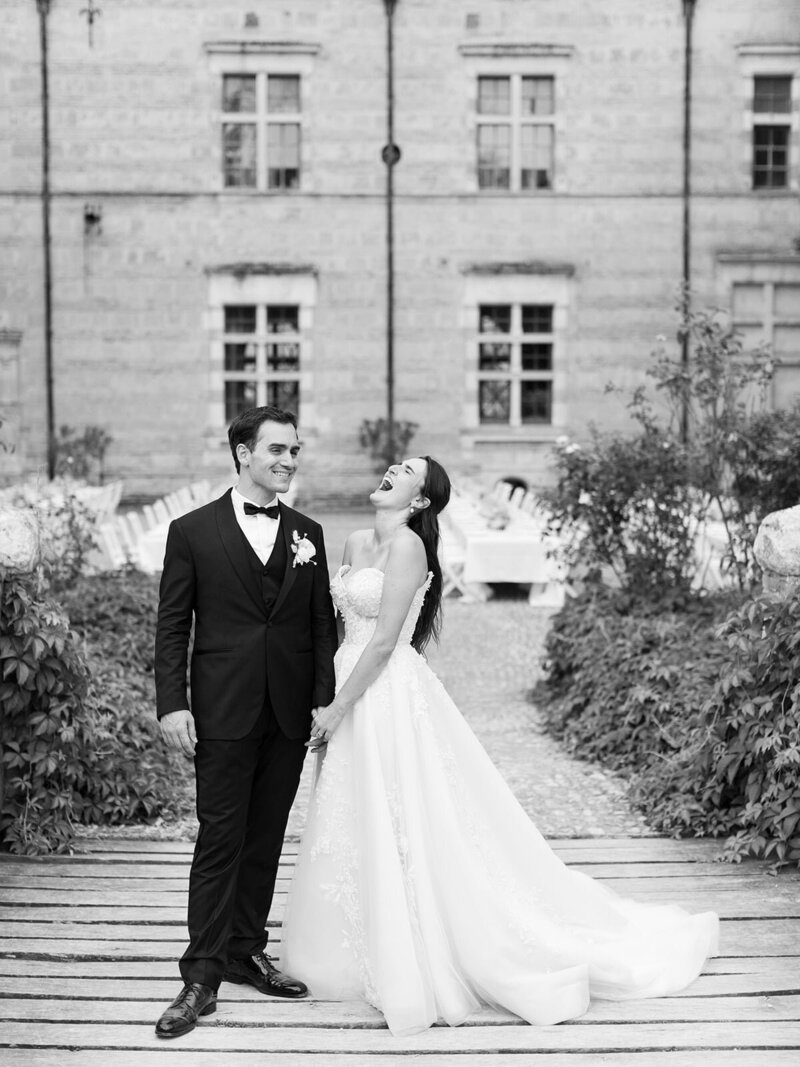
177	729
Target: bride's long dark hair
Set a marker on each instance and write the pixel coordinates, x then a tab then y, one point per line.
425	523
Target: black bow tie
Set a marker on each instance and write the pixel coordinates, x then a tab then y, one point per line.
253	509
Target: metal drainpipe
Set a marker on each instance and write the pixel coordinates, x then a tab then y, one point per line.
43	7
686	280
390	160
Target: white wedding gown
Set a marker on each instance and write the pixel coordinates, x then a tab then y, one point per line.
423	887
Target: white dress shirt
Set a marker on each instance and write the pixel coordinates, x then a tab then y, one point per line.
260	530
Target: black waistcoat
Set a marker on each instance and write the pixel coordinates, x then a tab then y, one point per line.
268	577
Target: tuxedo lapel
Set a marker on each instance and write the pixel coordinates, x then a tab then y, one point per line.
235	546
288	518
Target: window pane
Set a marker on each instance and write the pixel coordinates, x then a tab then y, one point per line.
238	397
284	395
536	157
284	356
787	342
494	401
537	318
536	401
283	92
786	386
748	303
772	94
239	155
494	157
495	318
787	301
538	96
240	357
537	357
283	318
494	356
494	96
770	157
283	155
240	318
238	92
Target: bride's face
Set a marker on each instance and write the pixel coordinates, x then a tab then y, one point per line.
401	486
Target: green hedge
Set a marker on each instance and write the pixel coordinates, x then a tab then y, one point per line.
78	736
698	702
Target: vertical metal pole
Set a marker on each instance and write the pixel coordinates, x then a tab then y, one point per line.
390	163
44	10
686	280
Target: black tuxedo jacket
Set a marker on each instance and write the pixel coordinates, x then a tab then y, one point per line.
243	650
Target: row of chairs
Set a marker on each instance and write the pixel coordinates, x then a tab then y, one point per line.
120	536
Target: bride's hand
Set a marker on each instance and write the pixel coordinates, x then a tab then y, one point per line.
326	722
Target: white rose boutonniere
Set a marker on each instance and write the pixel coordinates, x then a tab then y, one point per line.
303	550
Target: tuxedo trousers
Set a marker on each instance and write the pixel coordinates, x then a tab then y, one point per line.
245	791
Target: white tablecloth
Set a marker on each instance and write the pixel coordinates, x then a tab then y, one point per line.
507	556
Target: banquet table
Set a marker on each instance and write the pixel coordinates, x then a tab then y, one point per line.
519	553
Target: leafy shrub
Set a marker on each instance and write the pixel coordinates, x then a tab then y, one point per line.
67	528
625	503
697	702
374	436
634	502
738	770
624	677
82	455
78	735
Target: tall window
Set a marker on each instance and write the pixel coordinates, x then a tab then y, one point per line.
770	312
772	114
261	131
262	346
515	132
515	364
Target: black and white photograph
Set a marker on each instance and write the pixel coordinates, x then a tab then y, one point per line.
400	533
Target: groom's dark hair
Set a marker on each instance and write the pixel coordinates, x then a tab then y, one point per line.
244	428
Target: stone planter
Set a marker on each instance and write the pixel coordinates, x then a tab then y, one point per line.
777	550
19	540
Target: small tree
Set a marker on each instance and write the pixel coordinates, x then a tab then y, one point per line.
82	455
374	436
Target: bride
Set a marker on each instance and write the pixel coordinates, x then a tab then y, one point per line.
421	884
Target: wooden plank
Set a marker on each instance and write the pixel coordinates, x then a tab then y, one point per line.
783	967
132	979
88	913
273	1012
597	1038
119	931
180	1057
740	937
29	873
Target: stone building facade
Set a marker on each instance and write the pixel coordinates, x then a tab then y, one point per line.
217	181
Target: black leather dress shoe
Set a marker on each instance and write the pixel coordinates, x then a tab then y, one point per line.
181	1016
259	972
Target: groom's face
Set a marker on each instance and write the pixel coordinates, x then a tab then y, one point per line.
272	463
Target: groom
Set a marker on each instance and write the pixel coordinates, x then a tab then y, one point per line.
252	575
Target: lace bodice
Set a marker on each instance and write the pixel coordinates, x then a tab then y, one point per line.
357	596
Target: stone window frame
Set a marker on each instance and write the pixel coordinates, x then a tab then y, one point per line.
769	273
262	59
262	287
765	60
518	287
515	62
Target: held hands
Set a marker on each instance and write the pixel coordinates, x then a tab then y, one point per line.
177	729
326	721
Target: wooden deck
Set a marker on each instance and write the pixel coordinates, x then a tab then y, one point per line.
89	945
